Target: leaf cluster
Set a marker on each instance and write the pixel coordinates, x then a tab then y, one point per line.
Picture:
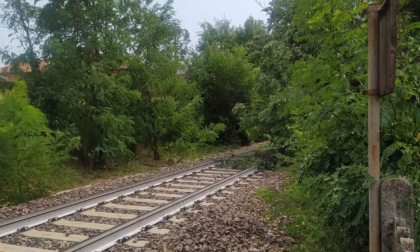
30	152
325	212
312	109
112	77
225	79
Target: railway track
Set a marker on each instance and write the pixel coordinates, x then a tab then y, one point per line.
98	222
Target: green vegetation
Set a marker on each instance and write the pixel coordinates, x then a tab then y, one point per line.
113	82
112	76
30	152
72	175
326	212
120	78
317	117
225	78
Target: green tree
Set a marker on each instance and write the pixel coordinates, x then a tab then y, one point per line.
167	116
273	51
220	35
327	116
113	75
30	152
20	16
225	78
84	92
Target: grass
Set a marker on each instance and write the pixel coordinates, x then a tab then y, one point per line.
73	175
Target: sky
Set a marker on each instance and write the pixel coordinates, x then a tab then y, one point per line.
191	13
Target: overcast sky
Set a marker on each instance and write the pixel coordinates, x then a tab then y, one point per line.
193	12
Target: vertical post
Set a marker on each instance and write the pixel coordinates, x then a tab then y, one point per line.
373	121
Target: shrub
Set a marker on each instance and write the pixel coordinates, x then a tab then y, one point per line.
30	151
327	212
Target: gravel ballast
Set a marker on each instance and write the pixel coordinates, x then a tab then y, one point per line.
86	191
232	222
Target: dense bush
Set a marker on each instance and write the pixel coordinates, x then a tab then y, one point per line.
323	115
325	212
225	78
30	152
113	75
5	85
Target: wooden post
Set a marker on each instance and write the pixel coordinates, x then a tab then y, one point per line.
382	43
373	121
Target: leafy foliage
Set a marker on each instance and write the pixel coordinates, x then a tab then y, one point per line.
168	114
82	92
317	115
225	79
112	76
20	17
5	85
117	77
221	35
30	151
324	224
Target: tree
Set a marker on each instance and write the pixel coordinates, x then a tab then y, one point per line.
20	16
30	151
326	116
84	92
225	78
250	29
168	111
220	35
121	62
273	51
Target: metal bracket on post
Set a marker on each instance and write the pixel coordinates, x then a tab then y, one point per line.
371	92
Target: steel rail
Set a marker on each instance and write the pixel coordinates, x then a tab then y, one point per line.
110	237
12	225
